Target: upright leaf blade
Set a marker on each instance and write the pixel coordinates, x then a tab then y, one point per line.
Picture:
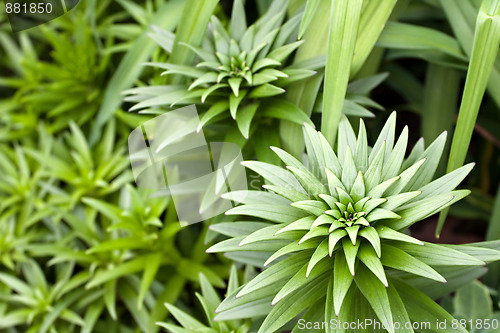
344	20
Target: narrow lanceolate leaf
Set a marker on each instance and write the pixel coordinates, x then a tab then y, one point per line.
301	279
270	212
447	182
304	223
432	155
393	164
151	268
184	319
372	236
438	255
421	308
267	233
373	19
320	253
385	138
484	51
281	109
244	118
280	271
358	188
350	253
312	206
275	175
292	305
376	294
307	16
398	259
342	280
238	20
406	36
367	255
344	19
424	208
288	193
194	18
399	314
293	247
388	233
334	238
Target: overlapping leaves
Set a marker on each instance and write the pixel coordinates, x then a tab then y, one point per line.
209	300
235	71
336	229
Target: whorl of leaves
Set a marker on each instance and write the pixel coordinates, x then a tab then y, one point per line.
337	225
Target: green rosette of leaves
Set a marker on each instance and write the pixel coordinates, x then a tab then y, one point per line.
238	70
334	228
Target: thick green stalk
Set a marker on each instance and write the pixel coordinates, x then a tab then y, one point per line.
484	51
344	21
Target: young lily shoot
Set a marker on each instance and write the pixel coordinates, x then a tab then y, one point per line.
335	233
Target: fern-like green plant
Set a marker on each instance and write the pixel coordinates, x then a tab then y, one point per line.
237	71
335	229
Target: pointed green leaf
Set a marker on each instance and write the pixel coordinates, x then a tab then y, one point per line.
372	236
376	294
368	256
395	258
350	252
342	280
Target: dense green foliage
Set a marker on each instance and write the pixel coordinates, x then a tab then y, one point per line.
331	227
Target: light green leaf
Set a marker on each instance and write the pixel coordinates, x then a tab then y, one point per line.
395	258
302	279
342	280
407	36
439	255
421	209
282	109
376	294
388	233
238	24
344	20
244	118
372	236
280	271
368	256
421	308
269	212
293	304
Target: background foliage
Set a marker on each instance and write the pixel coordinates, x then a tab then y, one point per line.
83	249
